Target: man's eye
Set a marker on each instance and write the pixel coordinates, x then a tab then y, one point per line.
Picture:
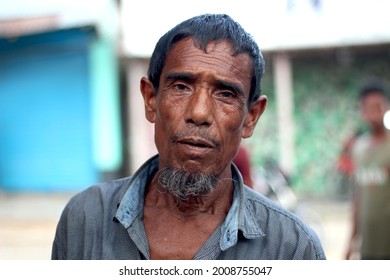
181	87
226	94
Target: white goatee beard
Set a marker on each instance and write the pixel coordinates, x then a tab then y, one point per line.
183	184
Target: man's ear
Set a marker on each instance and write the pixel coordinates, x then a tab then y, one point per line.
147	90
255	111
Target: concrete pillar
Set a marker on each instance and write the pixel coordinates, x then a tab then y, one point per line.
284	99
140	140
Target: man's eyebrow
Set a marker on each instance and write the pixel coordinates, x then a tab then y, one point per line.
179	76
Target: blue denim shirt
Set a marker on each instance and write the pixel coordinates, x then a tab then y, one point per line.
106	222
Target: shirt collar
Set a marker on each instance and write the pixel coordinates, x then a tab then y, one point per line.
239	217
132	203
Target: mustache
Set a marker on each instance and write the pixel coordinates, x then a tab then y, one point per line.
196	133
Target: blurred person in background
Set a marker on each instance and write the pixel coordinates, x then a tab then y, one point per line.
203	96
370	234
345	165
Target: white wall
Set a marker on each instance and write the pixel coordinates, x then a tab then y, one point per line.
276	25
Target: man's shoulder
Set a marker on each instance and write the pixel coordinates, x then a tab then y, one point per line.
272	217
99	196
90	211
362	139
280	226
264	205
363	144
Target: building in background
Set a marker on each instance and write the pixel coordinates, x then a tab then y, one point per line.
59	95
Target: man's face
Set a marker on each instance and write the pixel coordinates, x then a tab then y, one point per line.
200	111
373	108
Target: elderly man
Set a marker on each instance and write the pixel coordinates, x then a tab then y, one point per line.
202	94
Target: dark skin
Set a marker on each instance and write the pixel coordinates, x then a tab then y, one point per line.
200	114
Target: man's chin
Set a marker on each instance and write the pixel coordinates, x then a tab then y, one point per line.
183	184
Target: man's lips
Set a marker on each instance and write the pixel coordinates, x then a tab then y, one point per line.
197	142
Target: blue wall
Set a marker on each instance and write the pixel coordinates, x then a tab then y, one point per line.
45	112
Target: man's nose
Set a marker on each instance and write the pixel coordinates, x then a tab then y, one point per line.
199	109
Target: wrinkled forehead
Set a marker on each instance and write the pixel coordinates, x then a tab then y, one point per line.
216	61
188	49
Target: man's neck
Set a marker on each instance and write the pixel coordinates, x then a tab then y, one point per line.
177	230
218	202
379	135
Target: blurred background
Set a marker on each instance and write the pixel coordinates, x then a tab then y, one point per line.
71	113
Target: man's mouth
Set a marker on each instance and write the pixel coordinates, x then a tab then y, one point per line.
197	142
